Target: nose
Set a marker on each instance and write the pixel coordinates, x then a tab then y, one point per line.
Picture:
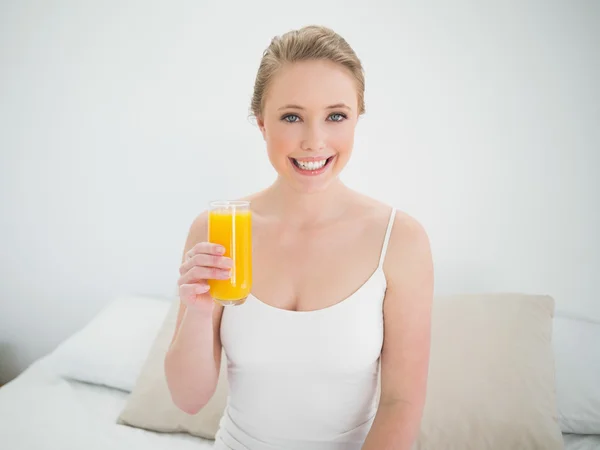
314	138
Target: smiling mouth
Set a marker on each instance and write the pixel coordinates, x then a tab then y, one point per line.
310	166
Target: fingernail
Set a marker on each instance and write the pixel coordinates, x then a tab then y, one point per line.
229	262
226	274
202	289
220	250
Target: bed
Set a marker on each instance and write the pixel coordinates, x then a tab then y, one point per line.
45	409
41	410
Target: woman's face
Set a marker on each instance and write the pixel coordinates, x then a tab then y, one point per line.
308	122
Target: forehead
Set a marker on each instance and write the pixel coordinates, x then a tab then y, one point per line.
312	84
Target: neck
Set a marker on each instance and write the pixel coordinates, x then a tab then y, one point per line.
306	209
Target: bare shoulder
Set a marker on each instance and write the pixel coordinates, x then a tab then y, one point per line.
373	212
200	223
409	247
198	231
409	250
407	228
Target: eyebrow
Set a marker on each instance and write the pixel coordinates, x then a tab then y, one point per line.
337	105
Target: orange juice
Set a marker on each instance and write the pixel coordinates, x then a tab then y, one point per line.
232	228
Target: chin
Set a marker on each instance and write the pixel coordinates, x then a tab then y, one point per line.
311	189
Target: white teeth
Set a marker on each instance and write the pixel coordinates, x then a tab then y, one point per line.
311	165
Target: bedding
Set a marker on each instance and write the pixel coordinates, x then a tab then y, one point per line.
581	442
576	343
49	407
41	410
111	349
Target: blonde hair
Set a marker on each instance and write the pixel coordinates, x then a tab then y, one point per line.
308	43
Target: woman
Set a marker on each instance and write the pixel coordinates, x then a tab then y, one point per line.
342	284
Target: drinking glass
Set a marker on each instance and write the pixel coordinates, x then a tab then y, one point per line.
230	225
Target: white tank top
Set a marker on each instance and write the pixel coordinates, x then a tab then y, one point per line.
304	380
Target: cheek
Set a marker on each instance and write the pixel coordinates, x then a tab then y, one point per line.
341	138
282	139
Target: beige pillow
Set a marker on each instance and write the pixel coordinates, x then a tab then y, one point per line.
491	379
150	406
491	382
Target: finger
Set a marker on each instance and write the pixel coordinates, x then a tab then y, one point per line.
202	259
198	273
190	291
205	247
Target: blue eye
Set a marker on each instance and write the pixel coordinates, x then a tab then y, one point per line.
291	118
337	117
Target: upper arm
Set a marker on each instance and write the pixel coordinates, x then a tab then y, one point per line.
407	314
199	233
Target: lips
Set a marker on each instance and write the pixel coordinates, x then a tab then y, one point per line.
312	166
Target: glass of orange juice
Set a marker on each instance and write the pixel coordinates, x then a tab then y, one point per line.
230	225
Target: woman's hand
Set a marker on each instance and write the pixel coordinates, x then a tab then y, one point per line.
202	263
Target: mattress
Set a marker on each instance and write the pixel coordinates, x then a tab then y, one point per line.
39	410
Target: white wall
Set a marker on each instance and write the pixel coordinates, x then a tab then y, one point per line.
120	120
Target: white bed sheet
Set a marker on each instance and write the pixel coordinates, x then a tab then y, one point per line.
39	410
581	442
42	411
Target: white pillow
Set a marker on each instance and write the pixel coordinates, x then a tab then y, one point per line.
112	348
576	345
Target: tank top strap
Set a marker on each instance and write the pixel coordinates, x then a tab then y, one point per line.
386	240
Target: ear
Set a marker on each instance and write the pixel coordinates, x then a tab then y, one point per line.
261	125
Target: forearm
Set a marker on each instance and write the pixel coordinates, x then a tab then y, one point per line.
396	427
190	366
